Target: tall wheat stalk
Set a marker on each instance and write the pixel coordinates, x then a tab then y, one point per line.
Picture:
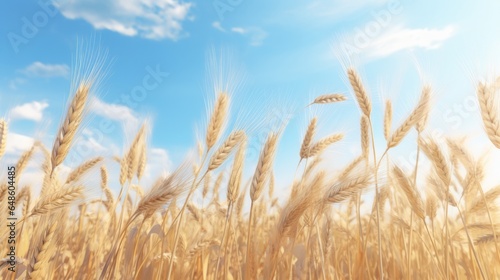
214	130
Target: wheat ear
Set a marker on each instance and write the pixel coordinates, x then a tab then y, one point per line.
225	149
70	125
47	169
133	154
440	162
328	98
56	200
322	144
410	192
233	187
387	119
123	170
360	92
349	186
416	116
480	204
489	114
217	119
4	128
287	227
40	254
306	143
264	166
365	137
161	194
82	169
142	161
23	160
107	192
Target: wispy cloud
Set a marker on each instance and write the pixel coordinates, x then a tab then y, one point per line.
39	69
399	39
217	25
393	40
238	30
145	18
256	35
29	111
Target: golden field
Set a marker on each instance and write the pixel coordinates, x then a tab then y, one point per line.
440	225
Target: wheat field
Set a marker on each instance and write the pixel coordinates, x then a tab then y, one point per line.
437	221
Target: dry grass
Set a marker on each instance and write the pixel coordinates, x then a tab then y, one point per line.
445	228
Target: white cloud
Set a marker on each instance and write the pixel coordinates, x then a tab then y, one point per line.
217	25
398	39
255	34
17	143
146	18
29	111
238	30
39	69
116	112
403	38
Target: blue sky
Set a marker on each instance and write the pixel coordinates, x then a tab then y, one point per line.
285	52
